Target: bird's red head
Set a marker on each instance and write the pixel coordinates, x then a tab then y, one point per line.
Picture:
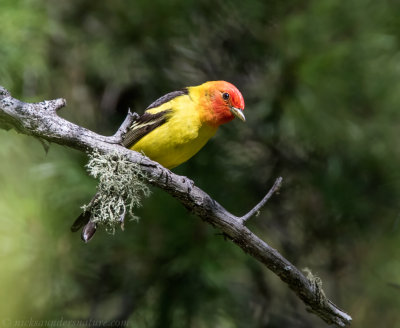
223	102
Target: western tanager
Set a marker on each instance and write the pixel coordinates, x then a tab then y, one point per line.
178	125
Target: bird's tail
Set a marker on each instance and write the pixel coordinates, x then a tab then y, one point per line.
84	221
88	227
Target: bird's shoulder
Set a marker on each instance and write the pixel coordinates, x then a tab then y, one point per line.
166	101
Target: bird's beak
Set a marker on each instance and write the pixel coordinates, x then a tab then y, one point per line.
238	113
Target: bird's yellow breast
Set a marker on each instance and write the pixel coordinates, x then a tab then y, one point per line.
181	137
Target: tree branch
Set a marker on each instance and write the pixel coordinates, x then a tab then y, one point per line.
256	209
41	120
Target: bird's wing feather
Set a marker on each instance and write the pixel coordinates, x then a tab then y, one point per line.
144	125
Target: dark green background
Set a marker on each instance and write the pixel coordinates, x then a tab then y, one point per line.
321	81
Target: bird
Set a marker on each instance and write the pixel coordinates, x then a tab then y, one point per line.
176	126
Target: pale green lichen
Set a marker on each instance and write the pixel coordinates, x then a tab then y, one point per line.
316	284
121	188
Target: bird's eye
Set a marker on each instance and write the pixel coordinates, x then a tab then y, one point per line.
225	95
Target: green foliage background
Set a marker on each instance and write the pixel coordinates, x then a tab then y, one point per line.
321	80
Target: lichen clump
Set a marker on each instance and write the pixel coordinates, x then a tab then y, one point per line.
316	284
121	188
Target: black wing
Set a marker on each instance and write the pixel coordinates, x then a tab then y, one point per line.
144	125
148	122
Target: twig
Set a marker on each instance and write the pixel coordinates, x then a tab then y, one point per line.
129	119
256	209
40	120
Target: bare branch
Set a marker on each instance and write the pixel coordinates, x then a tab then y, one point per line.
41	120
257	208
